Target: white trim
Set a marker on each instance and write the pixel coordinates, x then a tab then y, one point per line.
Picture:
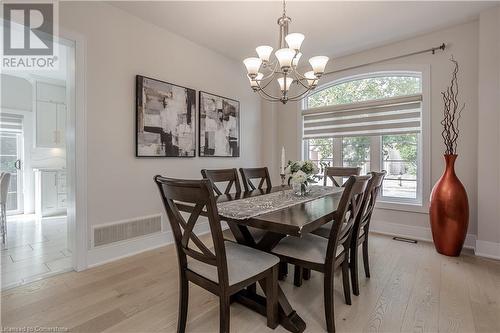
76	161
487	249
119	250
413	232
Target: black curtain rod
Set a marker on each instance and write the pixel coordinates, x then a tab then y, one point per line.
432	50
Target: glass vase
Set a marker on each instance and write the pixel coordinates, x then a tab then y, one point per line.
300	189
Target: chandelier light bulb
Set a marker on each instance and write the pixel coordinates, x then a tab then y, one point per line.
254	83
295	60
252	65
264	52
285	57
294	40
311	78
318	64
285	84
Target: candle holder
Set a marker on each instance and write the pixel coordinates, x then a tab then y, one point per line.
283	176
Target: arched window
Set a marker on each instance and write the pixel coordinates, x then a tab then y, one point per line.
371	121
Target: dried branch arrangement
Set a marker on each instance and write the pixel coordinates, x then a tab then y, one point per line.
452	112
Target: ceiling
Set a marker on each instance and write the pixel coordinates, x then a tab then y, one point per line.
331	28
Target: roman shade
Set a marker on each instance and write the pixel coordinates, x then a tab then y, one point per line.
11	123
397	115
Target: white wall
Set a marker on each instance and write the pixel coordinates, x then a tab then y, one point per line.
488	242
16	93
462	41
119	46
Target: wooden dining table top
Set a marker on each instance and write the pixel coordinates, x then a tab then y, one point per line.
295	220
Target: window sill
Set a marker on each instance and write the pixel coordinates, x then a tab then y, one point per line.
403	206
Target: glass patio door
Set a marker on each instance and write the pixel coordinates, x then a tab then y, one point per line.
10	161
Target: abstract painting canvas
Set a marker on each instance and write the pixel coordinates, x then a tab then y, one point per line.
219	126
165	124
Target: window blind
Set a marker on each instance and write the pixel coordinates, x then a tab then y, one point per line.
12	123
397	115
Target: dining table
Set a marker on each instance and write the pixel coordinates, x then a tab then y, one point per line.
277	212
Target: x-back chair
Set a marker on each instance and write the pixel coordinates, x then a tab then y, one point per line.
226	268
223	175
337	172
325	255
362	226
261	174
330	173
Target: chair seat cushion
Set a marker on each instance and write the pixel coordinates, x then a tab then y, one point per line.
310	248
243	262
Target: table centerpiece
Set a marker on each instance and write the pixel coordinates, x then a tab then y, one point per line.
300	175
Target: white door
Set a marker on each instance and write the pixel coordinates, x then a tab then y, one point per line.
10	160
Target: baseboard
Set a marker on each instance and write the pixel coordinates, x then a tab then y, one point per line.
487	249
105	254
413	232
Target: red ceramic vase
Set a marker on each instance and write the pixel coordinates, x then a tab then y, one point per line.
449	211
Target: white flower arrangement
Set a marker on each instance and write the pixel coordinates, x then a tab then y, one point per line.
301	172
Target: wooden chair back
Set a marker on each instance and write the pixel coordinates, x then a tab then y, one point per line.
200	194
371	193
261	174
223	175
347	212
333	172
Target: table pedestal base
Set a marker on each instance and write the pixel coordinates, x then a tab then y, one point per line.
292	322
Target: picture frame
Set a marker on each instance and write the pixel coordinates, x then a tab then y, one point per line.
219	132
165	119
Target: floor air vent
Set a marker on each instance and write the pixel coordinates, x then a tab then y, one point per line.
124	230
406	240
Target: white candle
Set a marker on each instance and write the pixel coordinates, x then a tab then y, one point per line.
283	160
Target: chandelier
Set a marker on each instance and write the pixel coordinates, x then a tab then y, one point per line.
262	71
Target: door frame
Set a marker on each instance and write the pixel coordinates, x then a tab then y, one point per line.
76	150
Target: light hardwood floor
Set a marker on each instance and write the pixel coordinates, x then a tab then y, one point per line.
412	289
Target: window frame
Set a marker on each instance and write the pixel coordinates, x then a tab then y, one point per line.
421	204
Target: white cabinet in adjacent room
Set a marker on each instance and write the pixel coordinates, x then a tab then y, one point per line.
50	115
50	192
46	124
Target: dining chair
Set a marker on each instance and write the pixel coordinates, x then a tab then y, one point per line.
261	174
330	173
229	176
361	228
223	270
336	172
325	255
4	190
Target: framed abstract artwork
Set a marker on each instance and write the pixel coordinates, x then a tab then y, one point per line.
219	126
165	119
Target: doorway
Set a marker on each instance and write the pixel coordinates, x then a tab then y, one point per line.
10	157
34	129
